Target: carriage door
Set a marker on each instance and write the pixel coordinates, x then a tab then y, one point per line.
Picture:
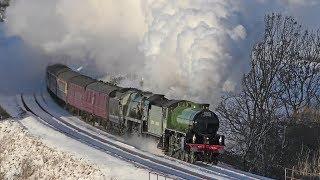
155	120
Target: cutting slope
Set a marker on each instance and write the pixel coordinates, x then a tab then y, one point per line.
108	166
24	156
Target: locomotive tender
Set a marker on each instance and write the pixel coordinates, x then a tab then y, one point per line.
184	129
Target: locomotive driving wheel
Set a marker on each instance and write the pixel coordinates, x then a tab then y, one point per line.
182	156
122	129
107	125
135	129
171	147
209	157
214	160
186	157
192	157
174	149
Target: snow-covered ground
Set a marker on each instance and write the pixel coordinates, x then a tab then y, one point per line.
25	156
112	156
215	171
9	104
111	166
98	165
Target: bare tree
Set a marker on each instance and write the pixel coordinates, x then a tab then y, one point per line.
3	6
282	81
300	78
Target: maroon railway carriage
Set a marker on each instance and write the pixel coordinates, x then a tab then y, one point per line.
52	74
77	95
99	92
62	83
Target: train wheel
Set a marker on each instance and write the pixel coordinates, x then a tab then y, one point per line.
186	157
174	150
171	146
136	129
108	125
122	129
214	160
181	155
207	157
192	158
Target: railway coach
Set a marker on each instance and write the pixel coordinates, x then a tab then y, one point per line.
62	83
77	95
52	74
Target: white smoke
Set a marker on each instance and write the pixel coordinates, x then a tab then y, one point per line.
101	34
192	49
188	46
199	49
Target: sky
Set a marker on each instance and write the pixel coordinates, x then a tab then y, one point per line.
186	49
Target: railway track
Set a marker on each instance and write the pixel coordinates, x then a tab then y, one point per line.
36	106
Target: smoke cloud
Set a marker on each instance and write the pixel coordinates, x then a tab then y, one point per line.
100	36
189	46
199	49
191	49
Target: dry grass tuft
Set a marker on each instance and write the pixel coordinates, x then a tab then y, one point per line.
27	169
309	164
3	114
2	174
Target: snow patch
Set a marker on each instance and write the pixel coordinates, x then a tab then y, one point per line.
25	142
24	156
10	105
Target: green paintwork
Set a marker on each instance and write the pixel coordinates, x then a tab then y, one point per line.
187	115
181	116
174	115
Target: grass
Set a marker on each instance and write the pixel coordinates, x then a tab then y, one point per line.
3	114
2	174
309	165
27	169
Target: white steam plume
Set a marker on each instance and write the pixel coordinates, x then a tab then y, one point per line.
104	35
189	47
198	49
192	49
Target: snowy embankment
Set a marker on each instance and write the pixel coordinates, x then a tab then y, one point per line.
74	154
114	158
24	156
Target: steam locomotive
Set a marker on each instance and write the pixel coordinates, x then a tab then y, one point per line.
183	129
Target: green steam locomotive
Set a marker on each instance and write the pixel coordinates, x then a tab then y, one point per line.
183	129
